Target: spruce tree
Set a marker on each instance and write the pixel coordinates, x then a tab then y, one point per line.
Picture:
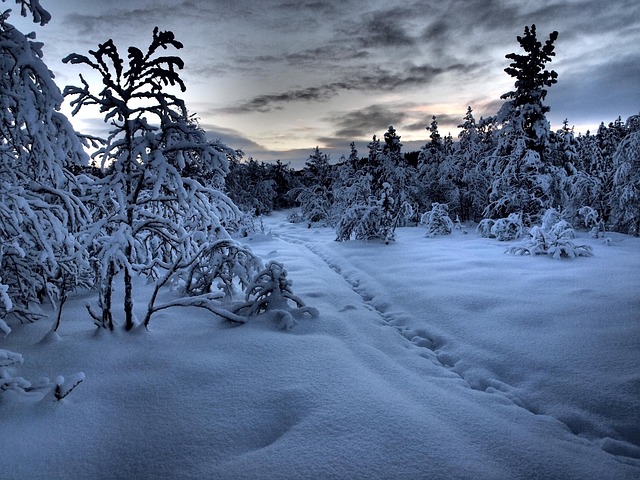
524	110
625	201
316	198
378	200
522	180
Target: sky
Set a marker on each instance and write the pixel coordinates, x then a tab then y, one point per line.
276	78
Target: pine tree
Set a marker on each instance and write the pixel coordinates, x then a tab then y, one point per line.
316	197
522	179
626	183
379	199
524	110
430	159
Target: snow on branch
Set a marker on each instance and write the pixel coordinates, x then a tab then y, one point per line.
57	389
271	292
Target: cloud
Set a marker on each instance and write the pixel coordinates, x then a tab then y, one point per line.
384	31
366	122
327	53
597	93
443	119
368	79
270	102
410	76
230	137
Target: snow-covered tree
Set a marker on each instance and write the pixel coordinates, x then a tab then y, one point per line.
316	197
626	185
380	199
350	185
588	186
522	178
430	169
40	212
249	186
149	217
563	149
437	220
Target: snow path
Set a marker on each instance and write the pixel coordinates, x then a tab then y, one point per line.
432	344
429	346
373	295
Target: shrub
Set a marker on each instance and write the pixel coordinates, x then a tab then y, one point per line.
57	389
437	220
552	238
271	292
592	221
508	228
484	228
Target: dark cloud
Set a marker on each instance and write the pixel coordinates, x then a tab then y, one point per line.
444	121
231	138
597	93
382	31
313	57
366	122
368	79
312	7
270	102
103	20
408	77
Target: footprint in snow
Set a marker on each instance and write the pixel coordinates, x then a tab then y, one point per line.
347	308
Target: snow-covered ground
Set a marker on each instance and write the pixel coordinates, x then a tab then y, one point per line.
439	358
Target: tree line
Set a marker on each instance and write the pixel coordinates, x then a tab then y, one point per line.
510	163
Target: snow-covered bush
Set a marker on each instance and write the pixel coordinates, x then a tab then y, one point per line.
295	217
484	227
223	265
376	219
437	220
359	222
243	225
9	381
271	292
503	229
379	199
552	219
592	221
553	237
315	204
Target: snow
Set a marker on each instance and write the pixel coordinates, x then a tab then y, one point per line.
431	358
